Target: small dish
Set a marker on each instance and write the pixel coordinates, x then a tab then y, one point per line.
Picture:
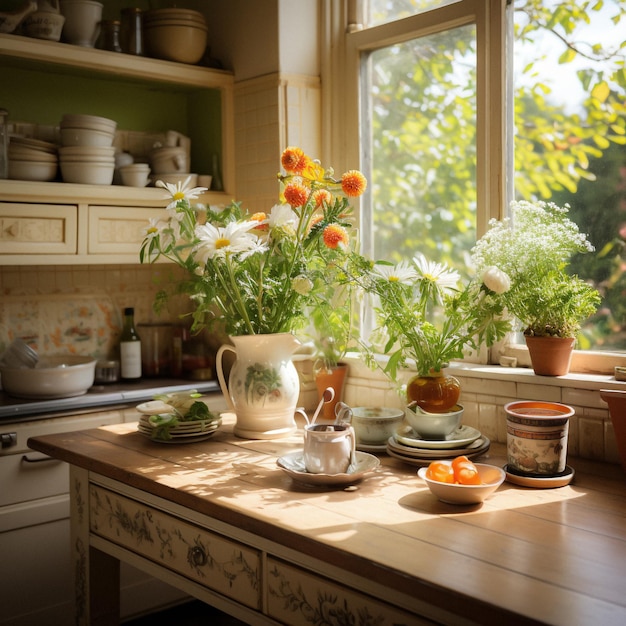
540	482
462	436
491	476
364	447
447	453
293	465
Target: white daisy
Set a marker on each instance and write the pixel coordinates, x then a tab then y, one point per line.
436	273
220	241
154	228
400	273
179	191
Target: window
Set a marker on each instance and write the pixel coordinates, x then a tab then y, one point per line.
430	82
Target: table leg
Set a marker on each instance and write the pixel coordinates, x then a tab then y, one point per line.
96	574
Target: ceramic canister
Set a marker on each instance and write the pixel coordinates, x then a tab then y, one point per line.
537	437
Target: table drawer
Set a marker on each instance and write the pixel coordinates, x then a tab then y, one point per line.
207	558
296	596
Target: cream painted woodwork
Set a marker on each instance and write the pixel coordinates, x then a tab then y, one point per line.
385	551
86	238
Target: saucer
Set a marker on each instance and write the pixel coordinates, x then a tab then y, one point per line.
367	447
540	482
462	436
293	465
426	457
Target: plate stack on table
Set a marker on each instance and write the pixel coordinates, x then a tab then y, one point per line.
182	432
407	445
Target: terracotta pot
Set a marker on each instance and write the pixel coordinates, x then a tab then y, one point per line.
536	435
435	393
616	400
550	356
334	377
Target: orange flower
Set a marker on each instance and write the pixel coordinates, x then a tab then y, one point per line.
260	217
321	197
294	160
353	183
315	220
335	236
296	194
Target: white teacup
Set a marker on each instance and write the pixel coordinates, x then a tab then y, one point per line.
82	22
328	448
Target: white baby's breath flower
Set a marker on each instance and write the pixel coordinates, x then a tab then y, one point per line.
403	272
181	191
496	280
436	273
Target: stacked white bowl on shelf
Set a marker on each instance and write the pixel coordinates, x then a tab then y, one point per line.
175	34
32	159
87	154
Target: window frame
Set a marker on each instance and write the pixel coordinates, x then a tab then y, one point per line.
344	39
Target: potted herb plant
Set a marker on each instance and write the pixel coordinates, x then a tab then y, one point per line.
533	248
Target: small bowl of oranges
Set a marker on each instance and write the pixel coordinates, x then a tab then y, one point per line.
461	481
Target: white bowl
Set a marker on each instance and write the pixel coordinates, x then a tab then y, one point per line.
374	425
168	160
435	426
87	173
181	42
86	137
80	152
53	377
490	475
173	179
23	153
43	25
32	170
95	122
132	176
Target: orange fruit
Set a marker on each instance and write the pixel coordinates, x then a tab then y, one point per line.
465	472
441	472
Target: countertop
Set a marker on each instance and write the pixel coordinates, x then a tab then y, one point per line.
17	409
525	556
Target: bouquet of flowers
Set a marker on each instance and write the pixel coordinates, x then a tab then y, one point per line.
426	314
258	273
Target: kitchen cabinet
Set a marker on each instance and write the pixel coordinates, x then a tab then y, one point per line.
35	526
99	223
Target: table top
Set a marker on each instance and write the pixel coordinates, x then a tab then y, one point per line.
526	555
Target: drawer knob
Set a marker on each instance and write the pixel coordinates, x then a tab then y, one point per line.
197	556
8	440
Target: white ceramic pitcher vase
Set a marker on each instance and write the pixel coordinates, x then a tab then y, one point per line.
263	384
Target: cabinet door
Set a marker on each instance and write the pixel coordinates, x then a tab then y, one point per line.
119	230
38	228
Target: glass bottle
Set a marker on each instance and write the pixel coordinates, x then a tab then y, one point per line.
131	31
130	347
110	35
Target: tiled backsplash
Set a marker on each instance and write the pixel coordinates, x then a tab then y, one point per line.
486	390
78	309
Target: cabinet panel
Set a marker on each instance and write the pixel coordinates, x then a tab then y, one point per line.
220	564
38	228
119	230
296	596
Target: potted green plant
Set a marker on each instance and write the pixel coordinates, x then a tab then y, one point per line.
427	316
330	331
533	248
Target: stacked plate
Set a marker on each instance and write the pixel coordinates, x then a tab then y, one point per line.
408	445
183	432
32	159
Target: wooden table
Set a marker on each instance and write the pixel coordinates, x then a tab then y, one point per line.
220	520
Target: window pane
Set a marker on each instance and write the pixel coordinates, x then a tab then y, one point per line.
382	11
569	144
422	105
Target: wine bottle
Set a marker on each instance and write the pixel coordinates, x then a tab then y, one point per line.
130	348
